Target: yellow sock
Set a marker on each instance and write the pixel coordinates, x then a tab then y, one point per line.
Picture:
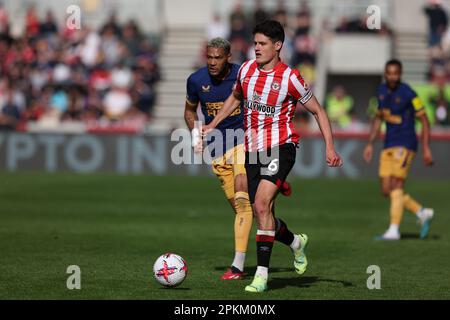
411	204
243	221
396	206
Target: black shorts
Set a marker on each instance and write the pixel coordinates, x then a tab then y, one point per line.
273	165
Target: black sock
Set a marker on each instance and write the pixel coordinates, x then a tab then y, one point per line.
282	233
264	245
235	270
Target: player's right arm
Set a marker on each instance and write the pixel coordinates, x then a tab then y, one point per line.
375	127
190	115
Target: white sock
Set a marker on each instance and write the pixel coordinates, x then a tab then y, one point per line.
393	228
262	271
295	245
239	259
419	213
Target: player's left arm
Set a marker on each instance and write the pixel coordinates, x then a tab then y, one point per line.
319	113
422	117
427	155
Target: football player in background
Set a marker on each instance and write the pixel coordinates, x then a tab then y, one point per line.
399	106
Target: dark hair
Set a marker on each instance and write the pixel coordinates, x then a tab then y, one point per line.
394	62
271	29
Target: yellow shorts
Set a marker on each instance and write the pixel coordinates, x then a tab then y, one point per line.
228	166
395	162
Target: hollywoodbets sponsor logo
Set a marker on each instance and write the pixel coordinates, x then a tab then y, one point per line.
269	111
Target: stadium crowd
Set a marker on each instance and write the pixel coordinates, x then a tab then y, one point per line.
53	73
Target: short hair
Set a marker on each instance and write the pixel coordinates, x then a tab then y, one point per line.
219	43
394	62
271	29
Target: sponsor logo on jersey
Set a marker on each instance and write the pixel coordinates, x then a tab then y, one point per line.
206	88
276	86
268	111
256	97
212	108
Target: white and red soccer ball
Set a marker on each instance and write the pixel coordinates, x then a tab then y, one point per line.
170	269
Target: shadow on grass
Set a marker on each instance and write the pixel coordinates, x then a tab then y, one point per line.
250	271
296	281
416	236
175	288
303	282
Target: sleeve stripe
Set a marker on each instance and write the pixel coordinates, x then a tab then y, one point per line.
420	112
298	86
191	103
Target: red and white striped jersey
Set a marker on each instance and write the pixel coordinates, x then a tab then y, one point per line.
270	98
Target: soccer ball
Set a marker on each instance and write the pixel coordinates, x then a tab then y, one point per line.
170	270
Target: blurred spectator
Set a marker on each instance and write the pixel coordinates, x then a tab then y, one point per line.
240	35
260	14
237	14
48	27
339	106
437	21
303	43
4	19
32	23
9	111
282	17
110	47
359	25
217	28
441	107
439	66
112	25
132	37
116	103
76	105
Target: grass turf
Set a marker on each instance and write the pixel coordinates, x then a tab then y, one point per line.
114	228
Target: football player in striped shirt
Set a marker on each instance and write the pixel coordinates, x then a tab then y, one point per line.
270	90
399	106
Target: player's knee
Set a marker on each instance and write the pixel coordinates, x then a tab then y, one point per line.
240	183
241	199
397	183
262	207
385	192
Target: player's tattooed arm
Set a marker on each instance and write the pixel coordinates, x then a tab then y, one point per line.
313	106
190	115
427	155
373	134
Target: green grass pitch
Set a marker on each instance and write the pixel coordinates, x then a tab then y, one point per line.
114	227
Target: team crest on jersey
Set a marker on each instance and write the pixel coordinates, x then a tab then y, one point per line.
256	97
206	88
275	86
246	80
398	100
381	97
